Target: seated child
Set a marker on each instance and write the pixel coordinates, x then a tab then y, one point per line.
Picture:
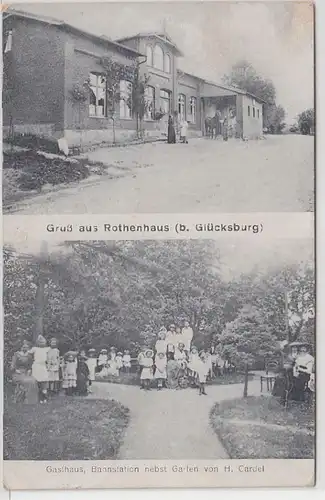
180	354
161	366
126	361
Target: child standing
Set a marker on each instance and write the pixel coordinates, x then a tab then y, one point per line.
70	373
180	354
147	369
102	359
119	361
202	370
127	361
161	367
39	367
53	366
193	364
161	343
92	363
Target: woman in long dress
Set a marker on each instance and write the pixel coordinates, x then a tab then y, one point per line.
39	366
82	375
26	385
171	137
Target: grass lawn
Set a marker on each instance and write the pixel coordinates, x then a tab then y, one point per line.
64	429
283	433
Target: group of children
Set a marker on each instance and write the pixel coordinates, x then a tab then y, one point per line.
110	363
174	362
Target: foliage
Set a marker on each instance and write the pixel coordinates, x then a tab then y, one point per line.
36	170
73	437
274	119
244	76
121	293
80	93
247	339
306	121
259	427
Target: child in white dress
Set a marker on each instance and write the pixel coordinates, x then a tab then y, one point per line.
102	360
161	367
53	366
119	361
202	371
70	373
147	369
193	364
161	343
127	361
39	367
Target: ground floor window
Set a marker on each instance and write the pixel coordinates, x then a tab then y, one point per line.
165	101
181	107
193	109
258	113
253	112
249	111
150	103
97	100
125	99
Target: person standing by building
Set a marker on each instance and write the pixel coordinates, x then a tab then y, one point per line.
171	134
184	129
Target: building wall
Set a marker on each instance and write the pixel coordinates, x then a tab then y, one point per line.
189	86
35	73
82	57
252	126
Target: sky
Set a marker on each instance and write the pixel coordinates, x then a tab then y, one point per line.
275	37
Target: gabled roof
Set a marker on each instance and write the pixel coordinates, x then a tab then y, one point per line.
162	37
69	28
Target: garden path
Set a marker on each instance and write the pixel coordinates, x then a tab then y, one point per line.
170	424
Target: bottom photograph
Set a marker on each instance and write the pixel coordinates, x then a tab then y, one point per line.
173	349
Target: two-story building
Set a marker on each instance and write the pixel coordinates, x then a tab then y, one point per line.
56	85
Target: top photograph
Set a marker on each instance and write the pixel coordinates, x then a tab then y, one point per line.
158	107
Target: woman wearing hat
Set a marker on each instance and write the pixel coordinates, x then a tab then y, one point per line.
82	374
147	369
39	366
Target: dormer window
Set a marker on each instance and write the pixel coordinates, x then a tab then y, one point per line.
149	56
158	60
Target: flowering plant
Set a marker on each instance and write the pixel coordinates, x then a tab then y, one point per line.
80	93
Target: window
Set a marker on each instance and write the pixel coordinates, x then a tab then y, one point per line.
181	107
150	103
193	109
165	98
167	64
253	112
258	113
149	55
97	89
125	99
158	58
249	111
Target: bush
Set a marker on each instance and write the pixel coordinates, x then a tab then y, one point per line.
36	170
34	142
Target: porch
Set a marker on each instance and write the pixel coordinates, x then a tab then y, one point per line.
228	102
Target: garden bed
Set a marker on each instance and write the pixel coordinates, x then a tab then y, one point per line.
259	427
64	429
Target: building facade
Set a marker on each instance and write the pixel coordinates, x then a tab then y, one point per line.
55	84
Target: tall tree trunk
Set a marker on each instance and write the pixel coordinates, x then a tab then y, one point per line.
39	297
246	381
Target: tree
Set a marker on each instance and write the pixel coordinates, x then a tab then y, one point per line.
274	119
244	76
247	340
306	122
137	102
